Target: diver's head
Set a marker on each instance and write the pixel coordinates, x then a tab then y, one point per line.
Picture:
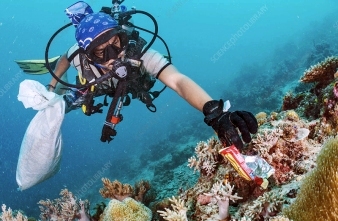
100	36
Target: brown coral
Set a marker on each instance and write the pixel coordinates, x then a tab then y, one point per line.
141	188
291	101
321	72
115	189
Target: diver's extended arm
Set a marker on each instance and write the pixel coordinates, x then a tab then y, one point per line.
60	69
185	87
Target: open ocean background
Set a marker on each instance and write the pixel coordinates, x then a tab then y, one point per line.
196	33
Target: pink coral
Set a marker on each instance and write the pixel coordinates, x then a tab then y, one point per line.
203	199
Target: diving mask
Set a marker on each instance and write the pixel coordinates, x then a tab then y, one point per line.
111	51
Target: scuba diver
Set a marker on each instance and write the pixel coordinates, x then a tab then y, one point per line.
112	60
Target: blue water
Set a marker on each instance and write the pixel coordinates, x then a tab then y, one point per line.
263	34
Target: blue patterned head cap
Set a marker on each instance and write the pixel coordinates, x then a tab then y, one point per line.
91	26
77	11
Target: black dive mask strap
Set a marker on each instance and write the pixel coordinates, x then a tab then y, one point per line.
110	51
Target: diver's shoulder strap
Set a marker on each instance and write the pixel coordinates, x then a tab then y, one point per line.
83	65
79	61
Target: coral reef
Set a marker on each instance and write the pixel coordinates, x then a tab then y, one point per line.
282	143
210	198
127	210
320	102
64	208
302	187
317	198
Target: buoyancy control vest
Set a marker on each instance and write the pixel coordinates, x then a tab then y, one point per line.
139	83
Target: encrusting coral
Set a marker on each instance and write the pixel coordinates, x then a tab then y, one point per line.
126	210
317	198
7	215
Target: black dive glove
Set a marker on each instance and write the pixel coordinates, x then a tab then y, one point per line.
225	123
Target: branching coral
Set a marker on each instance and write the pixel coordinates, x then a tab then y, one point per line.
7	215
115	189
66	208
221	195
207	157
141	188
178	213
321	72
266	139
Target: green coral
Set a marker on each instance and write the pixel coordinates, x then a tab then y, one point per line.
318	195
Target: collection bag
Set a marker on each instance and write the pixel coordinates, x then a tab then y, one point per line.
41	147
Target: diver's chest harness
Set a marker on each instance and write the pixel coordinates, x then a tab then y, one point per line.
138	84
